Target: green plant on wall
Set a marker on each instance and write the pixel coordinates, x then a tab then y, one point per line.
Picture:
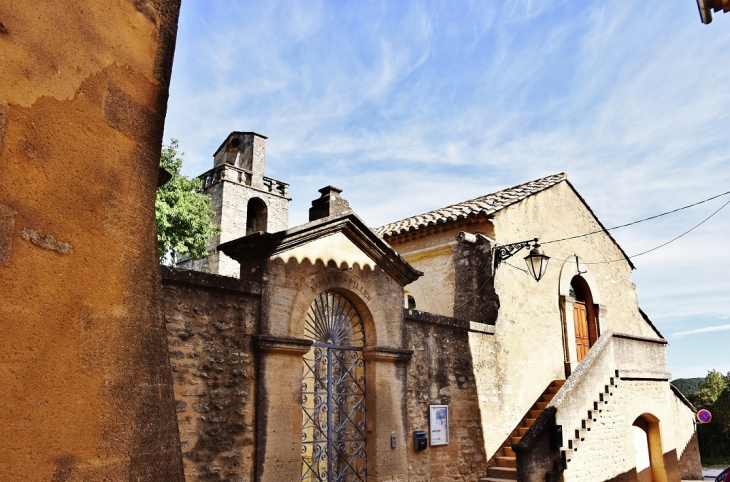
183	213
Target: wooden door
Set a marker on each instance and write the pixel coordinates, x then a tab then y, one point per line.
582	338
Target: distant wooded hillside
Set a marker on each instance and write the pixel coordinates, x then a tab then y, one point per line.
688	386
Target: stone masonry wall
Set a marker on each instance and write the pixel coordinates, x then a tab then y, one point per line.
441	372
608	451
210	322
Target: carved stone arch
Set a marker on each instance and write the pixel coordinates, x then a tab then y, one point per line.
574	267
341	282
570	269
648	449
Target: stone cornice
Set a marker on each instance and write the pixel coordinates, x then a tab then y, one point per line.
262	245
386	353
647	339
171	275
283	344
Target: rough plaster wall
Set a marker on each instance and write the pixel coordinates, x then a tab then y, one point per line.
608	449
554	214
526	354
440	372
209	334
87	389
512	369
685	438
434	256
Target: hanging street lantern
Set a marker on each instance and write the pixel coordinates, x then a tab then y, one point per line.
537	262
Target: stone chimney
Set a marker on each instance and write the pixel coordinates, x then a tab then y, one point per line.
328	204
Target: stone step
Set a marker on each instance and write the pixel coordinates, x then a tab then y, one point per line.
522	431
534	413
567	455
515	440
508	452
528	422
491	479
541	405
553	390
547	397
558	383
508	473
506	462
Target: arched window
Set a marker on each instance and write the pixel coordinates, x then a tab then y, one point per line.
256	214
584	316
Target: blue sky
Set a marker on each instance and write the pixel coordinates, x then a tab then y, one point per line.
410	106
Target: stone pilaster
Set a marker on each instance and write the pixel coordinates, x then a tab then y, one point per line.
386	411
279	424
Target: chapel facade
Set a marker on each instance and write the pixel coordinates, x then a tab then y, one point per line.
334	351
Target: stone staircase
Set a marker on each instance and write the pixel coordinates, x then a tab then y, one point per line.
597	410
503	465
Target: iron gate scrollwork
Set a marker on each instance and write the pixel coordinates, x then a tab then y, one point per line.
333	393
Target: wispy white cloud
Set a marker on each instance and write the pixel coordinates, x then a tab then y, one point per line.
412	106
697	331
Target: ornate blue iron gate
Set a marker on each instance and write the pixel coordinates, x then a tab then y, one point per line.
333	393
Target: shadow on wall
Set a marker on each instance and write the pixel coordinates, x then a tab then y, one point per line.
441	373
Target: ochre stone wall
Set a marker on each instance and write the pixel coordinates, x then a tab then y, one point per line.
440	372
86	385
211	321
431	250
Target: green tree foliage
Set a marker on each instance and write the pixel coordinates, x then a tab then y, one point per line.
713	394
688	386
183	213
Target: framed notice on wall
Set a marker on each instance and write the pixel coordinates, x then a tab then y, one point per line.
439	424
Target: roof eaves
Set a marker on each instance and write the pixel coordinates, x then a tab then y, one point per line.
628	260
682	397
653	327
483	205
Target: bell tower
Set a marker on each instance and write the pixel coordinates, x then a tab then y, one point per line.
244	200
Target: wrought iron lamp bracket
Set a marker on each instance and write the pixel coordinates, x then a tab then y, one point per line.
504	252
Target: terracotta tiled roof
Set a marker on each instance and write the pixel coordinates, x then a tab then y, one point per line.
489	204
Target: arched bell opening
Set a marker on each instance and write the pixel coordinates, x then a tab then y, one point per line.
256	216
584	316
333	392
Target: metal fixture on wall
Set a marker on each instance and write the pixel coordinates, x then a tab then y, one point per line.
536	261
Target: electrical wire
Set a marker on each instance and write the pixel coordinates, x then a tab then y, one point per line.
640	221
664	244
617	227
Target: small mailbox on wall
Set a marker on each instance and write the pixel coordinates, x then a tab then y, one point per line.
439	424
419	440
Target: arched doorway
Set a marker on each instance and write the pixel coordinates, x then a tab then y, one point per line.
648	453
584	317
333	392
256	216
